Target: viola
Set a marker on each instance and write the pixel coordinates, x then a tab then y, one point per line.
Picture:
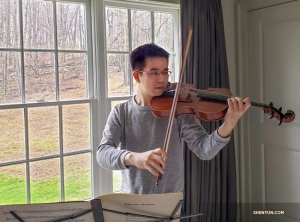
209	105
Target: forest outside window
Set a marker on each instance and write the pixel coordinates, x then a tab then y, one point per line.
45	153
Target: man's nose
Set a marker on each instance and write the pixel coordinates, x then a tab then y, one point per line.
160	77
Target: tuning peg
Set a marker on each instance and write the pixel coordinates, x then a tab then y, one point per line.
280	122
271	116
280	109
270	104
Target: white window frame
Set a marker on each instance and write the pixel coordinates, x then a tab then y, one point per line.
103	180
89	100
100	103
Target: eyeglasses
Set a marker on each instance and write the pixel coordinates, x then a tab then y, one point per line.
157	73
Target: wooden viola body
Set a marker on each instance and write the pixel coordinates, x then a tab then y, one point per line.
209	105
204	109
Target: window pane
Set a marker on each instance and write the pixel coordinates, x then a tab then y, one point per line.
38	24
9	24
116	29
45	181
10	77
72	75
172	68
39	76
78	177
13	184
164	33
118	75
43	131
71	26
141	28
12	135
117	179
76	127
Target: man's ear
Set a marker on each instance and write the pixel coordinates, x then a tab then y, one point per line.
136	76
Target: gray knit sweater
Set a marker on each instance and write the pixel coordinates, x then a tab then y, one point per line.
136	128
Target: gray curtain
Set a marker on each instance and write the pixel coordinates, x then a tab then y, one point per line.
210	186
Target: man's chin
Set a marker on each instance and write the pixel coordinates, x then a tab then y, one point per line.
158	93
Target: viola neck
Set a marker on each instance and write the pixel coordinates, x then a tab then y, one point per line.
223	98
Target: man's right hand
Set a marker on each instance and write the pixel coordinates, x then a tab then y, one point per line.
152	160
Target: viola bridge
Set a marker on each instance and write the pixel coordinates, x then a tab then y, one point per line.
183	96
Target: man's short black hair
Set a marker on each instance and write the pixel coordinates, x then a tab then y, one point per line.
139	55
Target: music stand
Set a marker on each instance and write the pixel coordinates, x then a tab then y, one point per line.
99	217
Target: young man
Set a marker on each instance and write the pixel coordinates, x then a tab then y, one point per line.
142	135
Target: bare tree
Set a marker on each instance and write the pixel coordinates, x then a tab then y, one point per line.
74	40
16	38
5	69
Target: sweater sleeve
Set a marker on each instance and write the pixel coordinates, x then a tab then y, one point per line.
205	146
108	154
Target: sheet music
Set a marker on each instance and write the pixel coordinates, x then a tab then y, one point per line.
46	212
156	205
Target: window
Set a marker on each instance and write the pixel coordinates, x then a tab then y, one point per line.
62	69
45	101
128	26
